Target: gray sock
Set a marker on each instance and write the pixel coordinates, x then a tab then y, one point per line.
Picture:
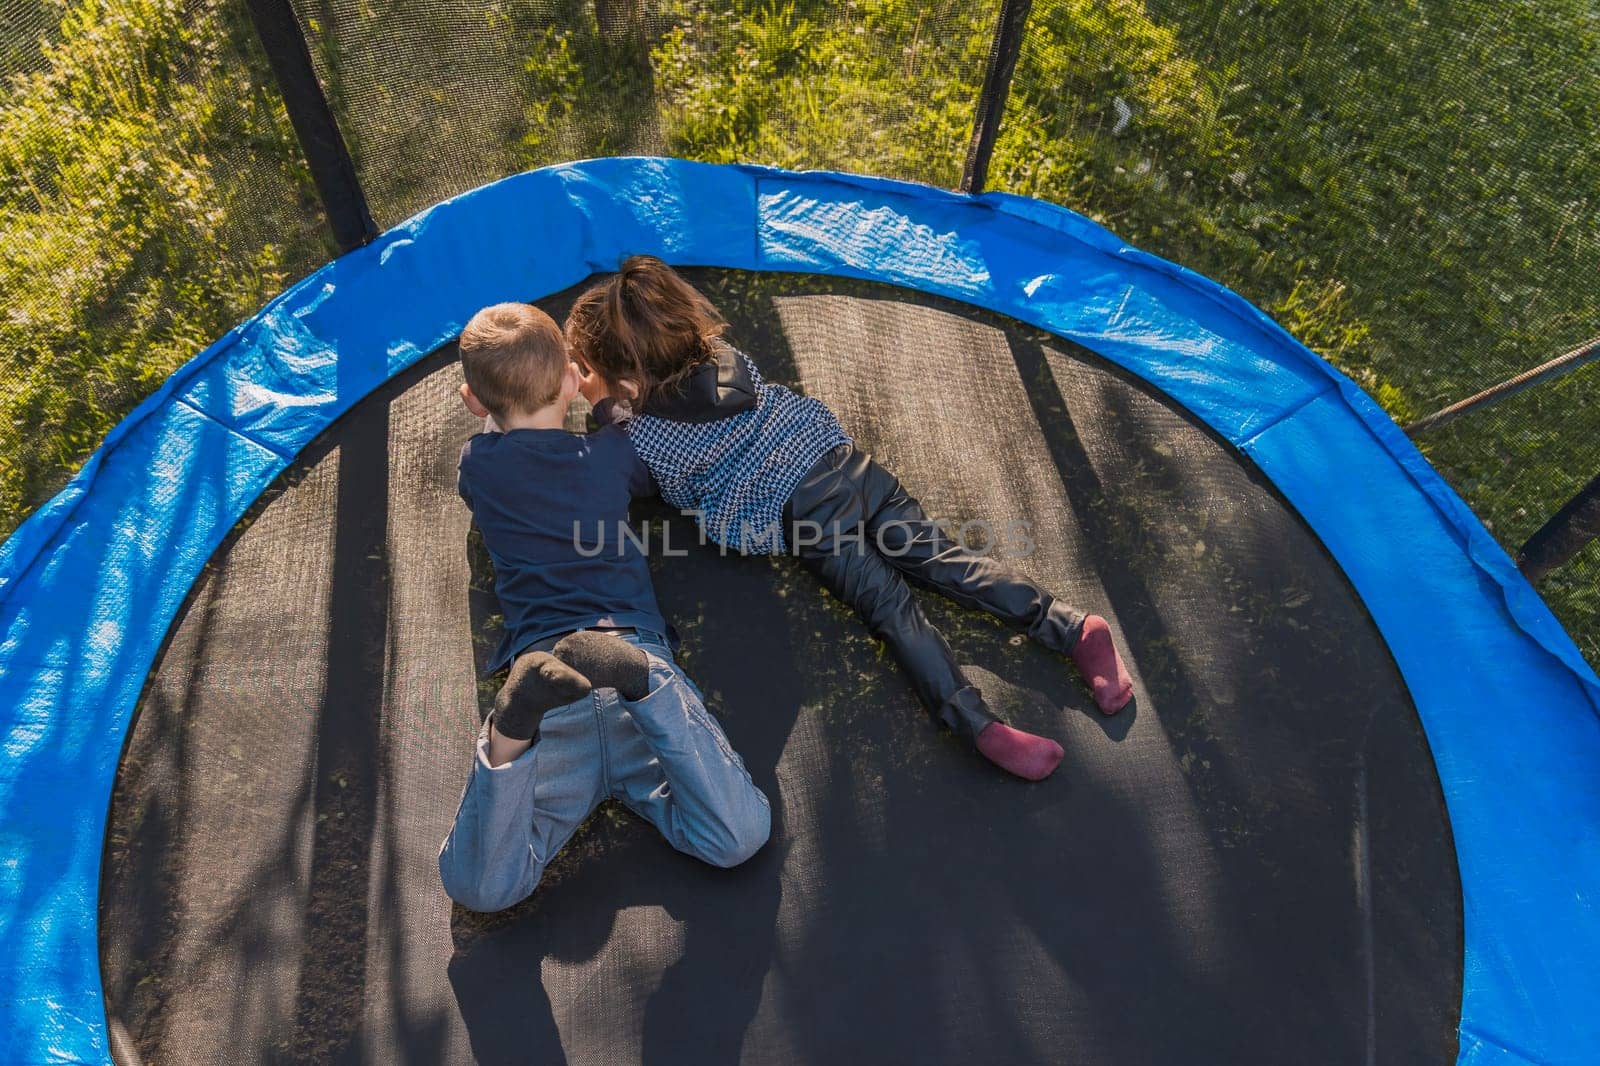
607	661
538	682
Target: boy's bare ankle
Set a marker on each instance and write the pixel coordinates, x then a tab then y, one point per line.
503	749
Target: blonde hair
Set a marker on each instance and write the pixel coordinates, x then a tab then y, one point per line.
644	325
513	357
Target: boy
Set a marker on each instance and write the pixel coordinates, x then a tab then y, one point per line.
594	705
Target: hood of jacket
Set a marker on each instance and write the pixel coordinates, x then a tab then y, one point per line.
717	389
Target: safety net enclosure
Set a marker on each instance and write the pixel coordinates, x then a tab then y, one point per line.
1256	864
1406	186
1260	850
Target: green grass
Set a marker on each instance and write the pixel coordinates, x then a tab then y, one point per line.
1407	185
151	195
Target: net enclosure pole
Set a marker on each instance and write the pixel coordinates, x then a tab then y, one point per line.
996	87
1585	353
343	200
1569	529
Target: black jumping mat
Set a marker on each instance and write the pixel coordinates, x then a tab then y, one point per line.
1251	864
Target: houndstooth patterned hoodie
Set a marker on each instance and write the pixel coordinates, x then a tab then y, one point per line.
730	448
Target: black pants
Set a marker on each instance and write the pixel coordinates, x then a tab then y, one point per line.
852	523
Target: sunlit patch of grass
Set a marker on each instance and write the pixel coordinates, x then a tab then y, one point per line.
150	196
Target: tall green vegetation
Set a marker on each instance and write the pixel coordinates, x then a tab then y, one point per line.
876	86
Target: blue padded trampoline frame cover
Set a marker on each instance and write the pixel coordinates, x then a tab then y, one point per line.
90	584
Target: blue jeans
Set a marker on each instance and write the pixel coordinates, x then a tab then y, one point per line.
664	757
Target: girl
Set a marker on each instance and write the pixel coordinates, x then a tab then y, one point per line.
766	470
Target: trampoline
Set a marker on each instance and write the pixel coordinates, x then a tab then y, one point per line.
1349	817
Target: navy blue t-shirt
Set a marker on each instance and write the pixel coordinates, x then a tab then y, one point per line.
552	506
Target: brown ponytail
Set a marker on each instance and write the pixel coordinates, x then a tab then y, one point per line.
644	325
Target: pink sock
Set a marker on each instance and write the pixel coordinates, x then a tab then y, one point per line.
1023	754
1101	666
